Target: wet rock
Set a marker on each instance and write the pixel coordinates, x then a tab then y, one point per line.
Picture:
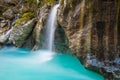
9	14
92	27
68	18
109	67
20	33
43	13
4	37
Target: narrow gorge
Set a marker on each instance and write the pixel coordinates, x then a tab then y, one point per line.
86	29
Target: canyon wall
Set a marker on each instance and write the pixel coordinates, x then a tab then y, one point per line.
93	31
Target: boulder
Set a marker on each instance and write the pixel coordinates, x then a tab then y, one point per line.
20	33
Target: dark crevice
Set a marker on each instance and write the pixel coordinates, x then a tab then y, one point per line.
61	41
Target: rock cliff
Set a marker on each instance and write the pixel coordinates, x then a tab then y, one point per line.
93	29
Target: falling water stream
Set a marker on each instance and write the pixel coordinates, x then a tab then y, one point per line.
50	28
24	64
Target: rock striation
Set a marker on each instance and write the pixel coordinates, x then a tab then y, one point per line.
93	29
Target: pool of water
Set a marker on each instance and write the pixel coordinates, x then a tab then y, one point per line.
23	64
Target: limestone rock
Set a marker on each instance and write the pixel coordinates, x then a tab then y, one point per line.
3	38
9	14
92	27
20	33
4	26
43	13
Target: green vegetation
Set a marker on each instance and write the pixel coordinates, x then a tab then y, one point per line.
30	10
33	3
47	2
24	18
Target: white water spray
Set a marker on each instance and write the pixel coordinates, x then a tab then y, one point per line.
50	28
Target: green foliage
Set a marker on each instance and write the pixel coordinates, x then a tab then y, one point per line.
33	3
47	2
30	10
25	17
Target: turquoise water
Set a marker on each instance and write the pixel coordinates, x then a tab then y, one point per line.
23	64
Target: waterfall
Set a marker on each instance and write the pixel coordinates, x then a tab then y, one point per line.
50	29
8	32
37	1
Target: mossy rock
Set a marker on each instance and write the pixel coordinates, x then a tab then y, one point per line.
20	34
47	2
24	18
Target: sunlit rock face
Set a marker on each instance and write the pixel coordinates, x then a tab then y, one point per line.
93	31
38	30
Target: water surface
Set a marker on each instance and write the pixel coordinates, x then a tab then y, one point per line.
23	64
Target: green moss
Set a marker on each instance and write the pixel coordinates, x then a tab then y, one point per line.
25	9
61	1
28	15
47	2
33	5
24	18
